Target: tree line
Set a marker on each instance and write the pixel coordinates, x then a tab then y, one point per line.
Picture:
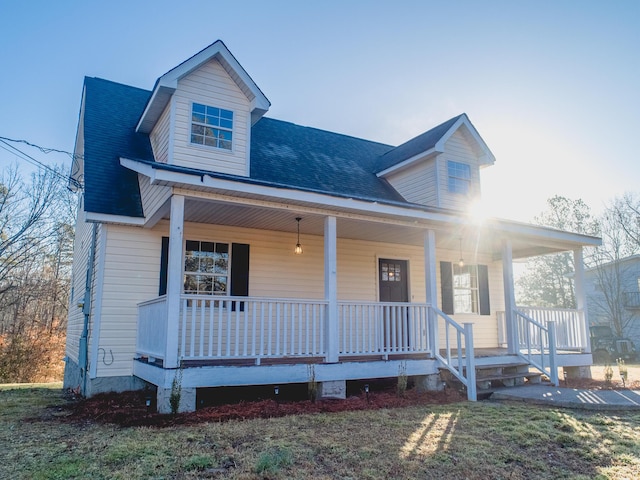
36	251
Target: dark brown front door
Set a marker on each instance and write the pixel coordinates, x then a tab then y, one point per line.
393	281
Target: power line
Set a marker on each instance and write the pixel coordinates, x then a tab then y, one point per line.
42	149
28	158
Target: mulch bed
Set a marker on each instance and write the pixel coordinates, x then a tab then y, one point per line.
589	384
129	409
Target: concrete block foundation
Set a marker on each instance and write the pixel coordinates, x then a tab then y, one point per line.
187	400
333	389
571	373
428	383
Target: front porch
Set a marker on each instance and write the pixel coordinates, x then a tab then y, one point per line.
404	300
238	341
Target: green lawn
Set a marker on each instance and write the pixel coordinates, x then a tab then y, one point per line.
465	440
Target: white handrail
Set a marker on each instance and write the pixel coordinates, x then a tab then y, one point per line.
537	340
468	359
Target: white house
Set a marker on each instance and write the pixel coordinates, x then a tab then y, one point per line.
243	249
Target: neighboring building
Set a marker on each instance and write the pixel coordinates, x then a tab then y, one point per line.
194	202
613	296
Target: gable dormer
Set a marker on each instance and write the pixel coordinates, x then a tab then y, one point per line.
441	167
200	113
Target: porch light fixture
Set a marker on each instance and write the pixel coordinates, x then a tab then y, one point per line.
298	249
461	261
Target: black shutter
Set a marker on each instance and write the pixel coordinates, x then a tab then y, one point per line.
483	289
239	272
446	281
164	265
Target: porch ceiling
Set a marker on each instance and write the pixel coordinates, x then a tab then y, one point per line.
483	239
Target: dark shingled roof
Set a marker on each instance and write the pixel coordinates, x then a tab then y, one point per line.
317	160
413	147
282	154
111	112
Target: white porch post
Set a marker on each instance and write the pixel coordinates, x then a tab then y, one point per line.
331	289
430	281
509	296
581	296
174	280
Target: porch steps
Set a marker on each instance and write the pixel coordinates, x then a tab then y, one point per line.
490	378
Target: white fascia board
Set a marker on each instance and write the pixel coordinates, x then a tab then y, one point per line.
408	162
547	233
94	217
154	108
486	158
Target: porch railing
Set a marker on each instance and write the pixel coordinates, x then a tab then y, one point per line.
152	328
571	333
250	327
458	346
537	344
383	328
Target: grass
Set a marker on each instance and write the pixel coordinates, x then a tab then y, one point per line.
465	440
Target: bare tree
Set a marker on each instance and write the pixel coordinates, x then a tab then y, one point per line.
548	279
626	210
36	237
612	270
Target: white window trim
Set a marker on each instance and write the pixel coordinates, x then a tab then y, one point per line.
472	290
213	293
212	147
459	178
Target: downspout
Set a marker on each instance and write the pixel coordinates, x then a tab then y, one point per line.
83	354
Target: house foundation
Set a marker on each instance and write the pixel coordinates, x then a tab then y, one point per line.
74	379
428	383
582	372
187	401
333	389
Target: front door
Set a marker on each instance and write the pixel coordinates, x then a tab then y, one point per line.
393	281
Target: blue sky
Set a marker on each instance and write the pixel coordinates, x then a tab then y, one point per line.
552	87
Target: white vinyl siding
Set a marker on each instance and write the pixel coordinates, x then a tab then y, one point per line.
153	196
458	149
418	183
131	275
159	136
211	85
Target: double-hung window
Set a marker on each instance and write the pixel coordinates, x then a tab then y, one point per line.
459	177
211	126
465	289
206	268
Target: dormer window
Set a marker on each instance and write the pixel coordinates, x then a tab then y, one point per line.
211	126
459	177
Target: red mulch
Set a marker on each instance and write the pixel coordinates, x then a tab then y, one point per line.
128	408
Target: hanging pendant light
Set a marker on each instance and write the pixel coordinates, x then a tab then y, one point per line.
461	261
298	249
